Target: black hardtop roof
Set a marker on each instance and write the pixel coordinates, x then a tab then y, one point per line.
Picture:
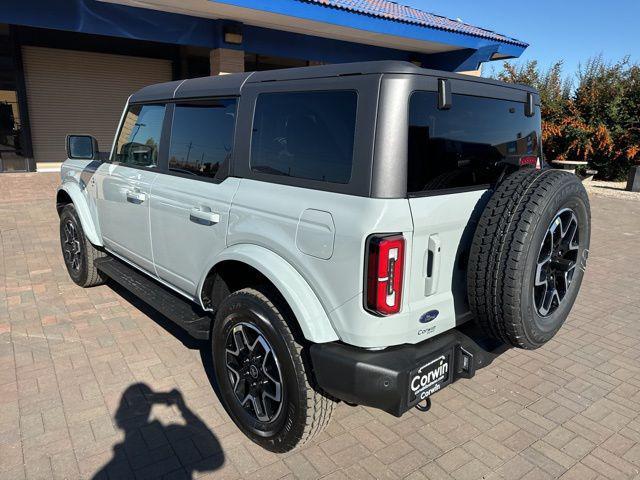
231	84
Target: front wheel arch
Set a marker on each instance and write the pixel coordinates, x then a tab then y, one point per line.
70	193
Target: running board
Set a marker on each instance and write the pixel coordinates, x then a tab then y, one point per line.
184	313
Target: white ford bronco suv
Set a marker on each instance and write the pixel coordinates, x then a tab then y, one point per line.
366	232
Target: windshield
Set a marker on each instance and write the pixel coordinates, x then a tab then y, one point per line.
471	144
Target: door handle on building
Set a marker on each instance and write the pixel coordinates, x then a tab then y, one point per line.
136	196
204	216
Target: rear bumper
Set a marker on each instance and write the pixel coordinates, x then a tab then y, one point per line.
389	380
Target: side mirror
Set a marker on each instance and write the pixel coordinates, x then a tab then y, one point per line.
82	147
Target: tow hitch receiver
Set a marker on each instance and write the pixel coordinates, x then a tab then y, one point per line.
426	407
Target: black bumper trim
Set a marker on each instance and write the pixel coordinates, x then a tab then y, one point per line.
380	379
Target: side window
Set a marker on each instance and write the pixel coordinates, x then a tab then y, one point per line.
139	138
305	135
202	137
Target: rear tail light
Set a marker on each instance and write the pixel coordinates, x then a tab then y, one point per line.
530	161
384	275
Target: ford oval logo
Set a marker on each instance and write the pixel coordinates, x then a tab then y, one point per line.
429	316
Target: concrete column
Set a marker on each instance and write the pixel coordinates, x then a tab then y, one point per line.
226	60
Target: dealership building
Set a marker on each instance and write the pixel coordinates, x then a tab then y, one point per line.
68	66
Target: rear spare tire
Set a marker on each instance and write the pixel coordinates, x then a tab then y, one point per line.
528	256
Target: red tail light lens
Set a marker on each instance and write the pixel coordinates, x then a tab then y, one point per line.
384	276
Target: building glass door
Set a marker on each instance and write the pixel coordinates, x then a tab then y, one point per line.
12	158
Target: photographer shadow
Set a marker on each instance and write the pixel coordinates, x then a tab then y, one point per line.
151	449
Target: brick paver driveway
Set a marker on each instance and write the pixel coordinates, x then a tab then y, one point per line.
90	382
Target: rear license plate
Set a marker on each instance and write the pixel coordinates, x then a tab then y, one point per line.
429	377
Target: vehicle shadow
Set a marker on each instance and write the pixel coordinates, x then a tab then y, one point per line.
171	327
151	449
203	346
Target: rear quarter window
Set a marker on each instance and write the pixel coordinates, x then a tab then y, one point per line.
469	145
307	135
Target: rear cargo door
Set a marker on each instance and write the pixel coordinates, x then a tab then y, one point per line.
455	155
443	228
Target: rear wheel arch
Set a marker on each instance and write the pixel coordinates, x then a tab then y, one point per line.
226	277
247	266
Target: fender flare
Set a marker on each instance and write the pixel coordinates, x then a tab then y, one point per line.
80	204
312	317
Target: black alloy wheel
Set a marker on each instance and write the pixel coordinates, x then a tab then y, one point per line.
557	262
71	245
254	372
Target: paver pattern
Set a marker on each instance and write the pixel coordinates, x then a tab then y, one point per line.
94	384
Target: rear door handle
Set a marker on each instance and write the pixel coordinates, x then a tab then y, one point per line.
204	216
136	197
432	265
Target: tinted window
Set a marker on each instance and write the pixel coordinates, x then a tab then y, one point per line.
305	134
202	137
472	143
139	137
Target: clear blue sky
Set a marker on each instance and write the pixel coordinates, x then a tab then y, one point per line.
572	30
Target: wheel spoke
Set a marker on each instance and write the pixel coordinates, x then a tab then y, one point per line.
236	377
259	408
541	278
566	278
572	234
548	302
236	351
277	394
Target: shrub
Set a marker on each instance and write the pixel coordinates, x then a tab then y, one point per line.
597	121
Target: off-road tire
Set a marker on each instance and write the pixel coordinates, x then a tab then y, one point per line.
505	253
306	411
87	275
